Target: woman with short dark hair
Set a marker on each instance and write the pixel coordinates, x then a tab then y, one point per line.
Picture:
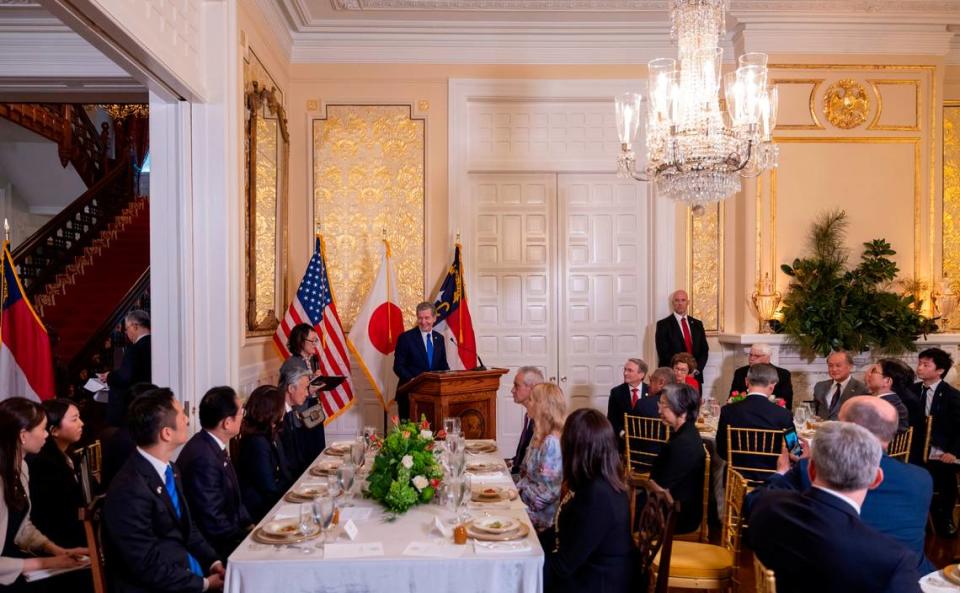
55	492
593	550
679	466
259	467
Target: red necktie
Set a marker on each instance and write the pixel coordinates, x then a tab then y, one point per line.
687	338
635	397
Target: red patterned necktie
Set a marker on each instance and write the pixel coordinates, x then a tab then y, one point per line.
635	397
687	338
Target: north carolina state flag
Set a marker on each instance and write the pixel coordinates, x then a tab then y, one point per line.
373	337
453	318
26	362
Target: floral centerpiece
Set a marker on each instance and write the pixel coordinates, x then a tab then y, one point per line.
739	396
405	472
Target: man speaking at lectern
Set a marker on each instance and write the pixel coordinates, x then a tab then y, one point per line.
418	350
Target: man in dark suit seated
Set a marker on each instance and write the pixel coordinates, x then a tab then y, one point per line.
418	350
678	332
526	379
626	396
134	368
935	397
755	411
151	541
898	507
816	540
841	382
209	478
659	378
760	354
295	442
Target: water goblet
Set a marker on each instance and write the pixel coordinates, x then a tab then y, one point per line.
358	452
345	476
306	525
333	486
323	510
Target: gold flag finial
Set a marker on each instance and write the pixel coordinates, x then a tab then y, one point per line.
6	230
458	236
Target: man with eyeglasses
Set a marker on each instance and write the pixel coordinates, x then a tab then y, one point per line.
760	354
209	478
135	367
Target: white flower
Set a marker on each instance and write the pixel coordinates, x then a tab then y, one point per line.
420	483
426	434
407	461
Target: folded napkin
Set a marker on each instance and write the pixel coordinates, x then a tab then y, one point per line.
496	548
434	550
334	551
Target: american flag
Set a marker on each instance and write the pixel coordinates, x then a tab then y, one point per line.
314	305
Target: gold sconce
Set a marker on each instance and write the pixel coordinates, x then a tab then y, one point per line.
766	299
945	302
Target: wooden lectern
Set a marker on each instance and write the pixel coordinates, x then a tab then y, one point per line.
469	395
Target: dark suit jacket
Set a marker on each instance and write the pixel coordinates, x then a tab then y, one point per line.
783	388
134	368
854	387
619	403
898	507
815	541
595	549
903	414
297	446
259	469
116	450
56	497
410	360
522	446
753	412
213	492
146	544
946	418
669	340
679	469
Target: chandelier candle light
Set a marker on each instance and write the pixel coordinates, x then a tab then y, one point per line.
694	152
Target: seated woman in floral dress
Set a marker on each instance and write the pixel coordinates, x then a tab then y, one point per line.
542	472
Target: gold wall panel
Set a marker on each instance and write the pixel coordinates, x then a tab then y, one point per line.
789	104
705	265
951	191
846	104
368	176
902	99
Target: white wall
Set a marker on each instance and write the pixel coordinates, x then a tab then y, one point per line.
32	166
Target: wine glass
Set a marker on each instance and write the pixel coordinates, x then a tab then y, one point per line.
453	496
323	508
307	524
458	462
333	486
358	452
345	475
448	426
800	417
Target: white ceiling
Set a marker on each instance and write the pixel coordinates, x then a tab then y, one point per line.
596	31
41	57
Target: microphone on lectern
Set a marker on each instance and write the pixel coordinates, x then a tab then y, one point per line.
480	366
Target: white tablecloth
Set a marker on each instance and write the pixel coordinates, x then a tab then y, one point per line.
936	583
256	568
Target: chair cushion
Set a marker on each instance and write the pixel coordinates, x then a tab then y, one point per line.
696	560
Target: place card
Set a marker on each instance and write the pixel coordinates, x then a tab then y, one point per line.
341	551
434	550
350	528
355	513
444	530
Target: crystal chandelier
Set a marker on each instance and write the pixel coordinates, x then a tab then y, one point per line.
694	152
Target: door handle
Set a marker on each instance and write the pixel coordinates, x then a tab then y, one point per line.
563	379
552	380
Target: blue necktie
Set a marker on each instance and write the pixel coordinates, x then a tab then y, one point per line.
429	351
171	487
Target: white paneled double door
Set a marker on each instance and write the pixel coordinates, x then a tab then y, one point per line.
558	279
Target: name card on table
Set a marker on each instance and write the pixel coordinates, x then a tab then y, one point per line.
434	550
340	551
350	528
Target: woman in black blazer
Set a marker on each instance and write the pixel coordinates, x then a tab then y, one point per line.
55	492
679	467
259	465
593	550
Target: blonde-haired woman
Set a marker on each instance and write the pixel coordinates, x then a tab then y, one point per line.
542	472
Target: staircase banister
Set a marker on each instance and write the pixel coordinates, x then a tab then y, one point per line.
40	237
141	286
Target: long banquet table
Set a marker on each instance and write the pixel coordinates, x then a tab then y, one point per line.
439	565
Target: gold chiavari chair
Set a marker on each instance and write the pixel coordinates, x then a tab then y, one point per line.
703	533
91	516
764	577
926	439
643	437
753	452
94	455
899	447
695	565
